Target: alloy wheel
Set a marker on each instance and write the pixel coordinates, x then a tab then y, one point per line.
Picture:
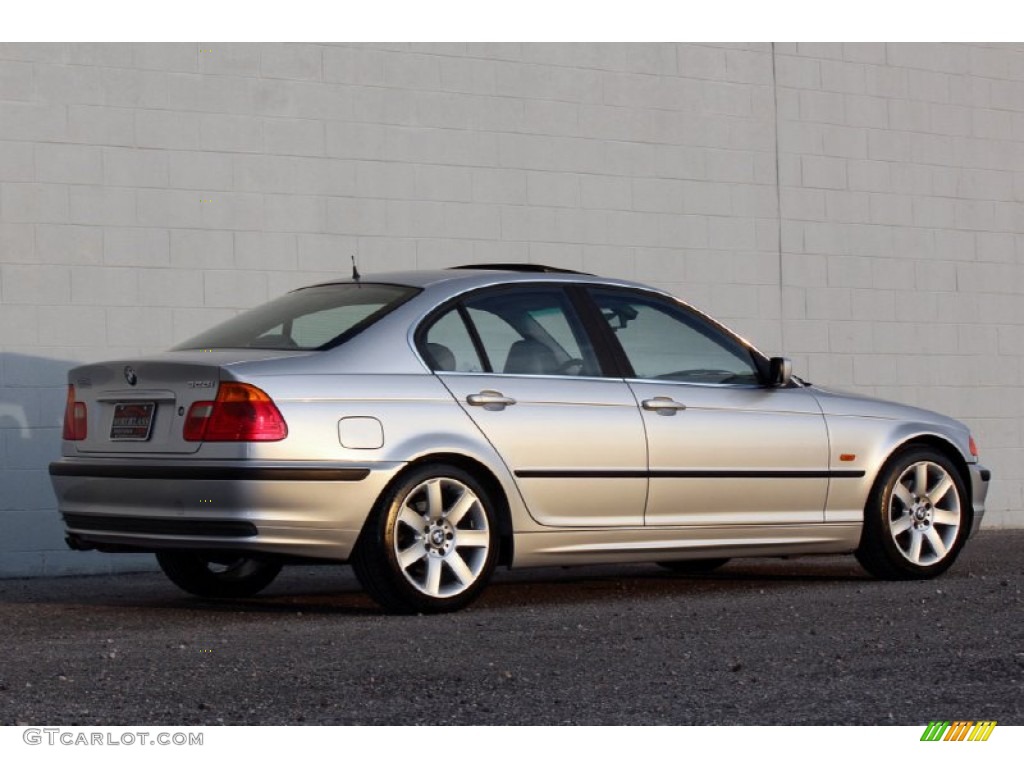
925	513
441	539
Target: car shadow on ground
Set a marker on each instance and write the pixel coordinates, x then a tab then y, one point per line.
550	587
327	590
333	590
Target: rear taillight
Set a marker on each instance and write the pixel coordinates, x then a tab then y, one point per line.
75	417
197	419
241	413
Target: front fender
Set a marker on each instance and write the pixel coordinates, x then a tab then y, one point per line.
871	442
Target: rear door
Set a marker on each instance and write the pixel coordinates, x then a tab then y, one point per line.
520	363
723	447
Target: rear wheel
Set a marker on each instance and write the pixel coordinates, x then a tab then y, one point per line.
217	577
694	566
431	545
916	519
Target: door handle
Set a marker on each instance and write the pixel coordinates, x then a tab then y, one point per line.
663	405
490	400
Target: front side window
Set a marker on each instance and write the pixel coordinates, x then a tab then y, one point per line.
522	331
661	340
311	318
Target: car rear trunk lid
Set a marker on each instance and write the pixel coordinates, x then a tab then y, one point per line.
139	406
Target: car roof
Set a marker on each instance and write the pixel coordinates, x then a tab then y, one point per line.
463	278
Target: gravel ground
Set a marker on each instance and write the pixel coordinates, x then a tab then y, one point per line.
804	641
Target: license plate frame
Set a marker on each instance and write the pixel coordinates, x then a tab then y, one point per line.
136	422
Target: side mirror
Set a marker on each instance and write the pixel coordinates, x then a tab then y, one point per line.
780	372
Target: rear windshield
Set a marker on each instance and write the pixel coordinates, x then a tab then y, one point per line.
310	318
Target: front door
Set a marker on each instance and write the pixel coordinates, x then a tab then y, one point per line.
724	448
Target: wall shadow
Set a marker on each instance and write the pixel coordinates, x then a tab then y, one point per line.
32	399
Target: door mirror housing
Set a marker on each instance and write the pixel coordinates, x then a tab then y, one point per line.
780	372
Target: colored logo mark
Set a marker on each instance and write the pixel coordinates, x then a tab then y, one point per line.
958	730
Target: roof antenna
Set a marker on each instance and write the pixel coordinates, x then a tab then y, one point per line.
355	270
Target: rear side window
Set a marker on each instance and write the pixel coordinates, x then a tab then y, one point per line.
311	318
449	347
526	330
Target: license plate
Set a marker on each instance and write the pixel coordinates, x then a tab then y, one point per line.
132	421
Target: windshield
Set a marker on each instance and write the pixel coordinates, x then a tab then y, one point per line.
311	318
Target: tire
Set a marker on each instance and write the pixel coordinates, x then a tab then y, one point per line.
694	566
917	517
219	577
431	544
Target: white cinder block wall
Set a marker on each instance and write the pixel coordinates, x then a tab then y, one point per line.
857	207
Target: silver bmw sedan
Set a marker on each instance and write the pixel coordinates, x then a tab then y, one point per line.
427	427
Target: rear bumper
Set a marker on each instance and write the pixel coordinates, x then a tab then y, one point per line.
980	477
298	509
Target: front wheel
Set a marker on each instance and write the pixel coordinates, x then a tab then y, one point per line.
431	544
218	576
916	519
